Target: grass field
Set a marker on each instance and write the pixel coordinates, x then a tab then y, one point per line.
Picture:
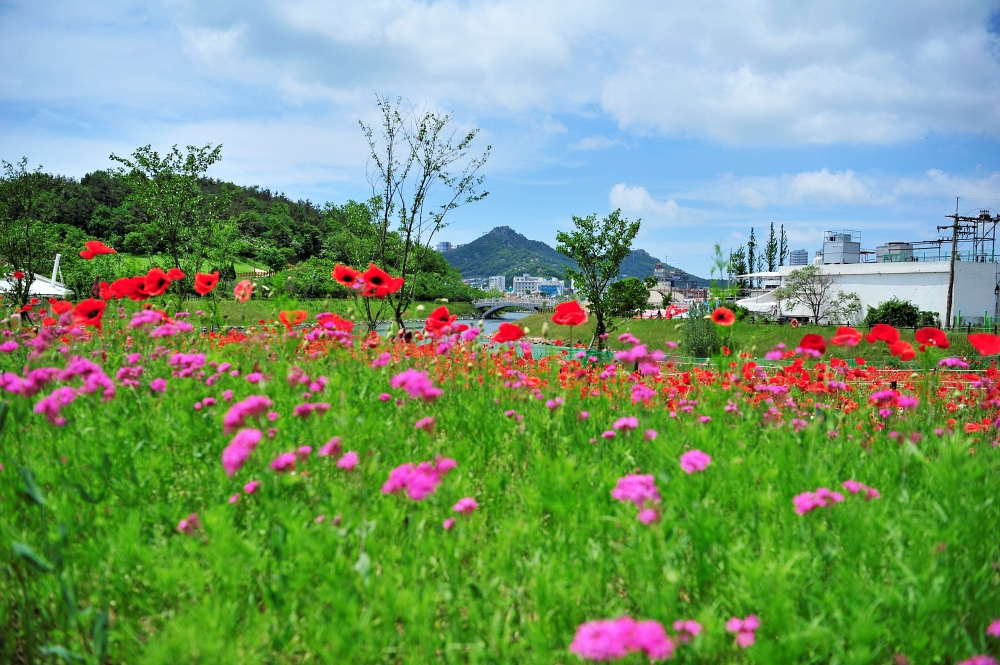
123	538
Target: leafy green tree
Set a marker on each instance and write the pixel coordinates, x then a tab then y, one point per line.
845	308
599	247
782	247
626	298
166	197
26	239
807	286
771	251
752	256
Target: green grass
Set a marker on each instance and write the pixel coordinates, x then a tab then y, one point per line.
235	313
98	500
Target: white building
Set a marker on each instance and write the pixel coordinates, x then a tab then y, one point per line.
924	283
525	285
498	283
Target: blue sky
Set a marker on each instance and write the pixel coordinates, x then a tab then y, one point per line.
703	118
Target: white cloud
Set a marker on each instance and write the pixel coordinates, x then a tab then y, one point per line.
594	143
638	200
825	187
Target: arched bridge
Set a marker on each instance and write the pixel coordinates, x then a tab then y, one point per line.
490	306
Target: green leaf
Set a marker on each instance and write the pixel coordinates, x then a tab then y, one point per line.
37	562
31	489
4	408
100	636
61	652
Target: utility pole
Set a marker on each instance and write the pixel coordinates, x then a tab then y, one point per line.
951	271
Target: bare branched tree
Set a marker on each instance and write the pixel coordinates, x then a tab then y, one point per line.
807	286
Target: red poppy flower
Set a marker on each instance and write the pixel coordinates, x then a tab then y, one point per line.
61	306
18	274
49	321
243	290
440	318
508	332
814	342
986	343
846	336
379	283
569	314
346	275
902	350
292	318
174	274
882	332
336	321
205	283
104	291
395	284
88	313
34	301
156	282
723	316
98	247
27	308
932	337
725	351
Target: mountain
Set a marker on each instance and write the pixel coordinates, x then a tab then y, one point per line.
504	251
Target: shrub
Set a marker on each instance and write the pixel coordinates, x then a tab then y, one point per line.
901	314
699	336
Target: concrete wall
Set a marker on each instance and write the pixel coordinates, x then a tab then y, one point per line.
923	283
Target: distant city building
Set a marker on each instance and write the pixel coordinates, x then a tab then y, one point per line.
444	247
798	257
498	283
526	285
477	282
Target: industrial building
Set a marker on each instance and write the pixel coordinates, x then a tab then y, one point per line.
498	283
918	271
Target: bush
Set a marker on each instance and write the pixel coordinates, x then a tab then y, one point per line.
900	314
699	336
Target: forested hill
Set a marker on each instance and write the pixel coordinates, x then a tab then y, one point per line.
504	251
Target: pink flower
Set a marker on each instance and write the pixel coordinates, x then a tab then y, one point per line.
602	640
416	384
320	519
385	397
426	424
348	461
252	407
695	460
254	377
649	637
979	660
583	415
465	506
744	629
821	498
284	462
637	489
448	524
852	486
189	524
238	451
235	498
610	434
418	481
273	415
382	360
331	448
650	435
687	629
993	630
251	487
628	423
158	385
303	452
648	516
705	419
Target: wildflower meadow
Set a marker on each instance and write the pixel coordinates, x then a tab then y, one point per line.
301	491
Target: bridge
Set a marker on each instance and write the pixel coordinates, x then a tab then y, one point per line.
491	306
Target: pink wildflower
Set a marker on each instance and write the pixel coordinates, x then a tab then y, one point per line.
448	524
695	460
331	448
235	498
687	629
284	462
303	452
993	630
583	415
465	506
416	384
426	424
648	516
238	451
650	435
821	498
189	524
610	434
628	423
252	407
251	487
637	489
348	461
744	629
158	385
385	397
979	660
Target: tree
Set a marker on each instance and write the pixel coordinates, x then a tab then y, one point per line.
419	171
627	297
598	247
26	241
782	247
738	265
771	251
167	196
845	308
751	256
807	286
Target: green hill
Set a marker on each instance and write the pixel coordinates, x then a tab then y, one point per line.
504	251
